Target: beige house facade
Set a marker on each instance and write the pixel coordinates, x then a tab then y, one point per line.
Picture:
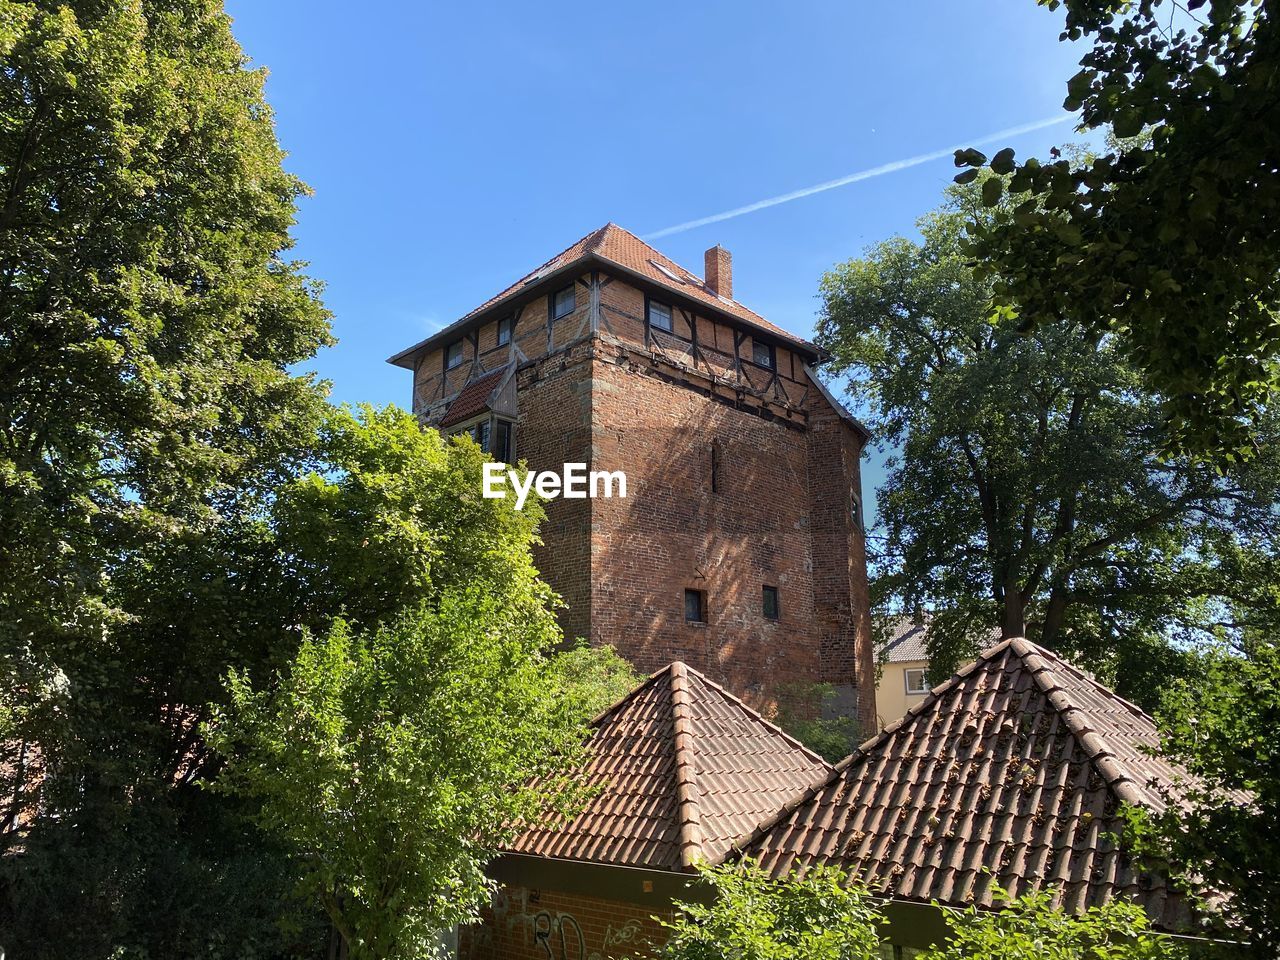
904	670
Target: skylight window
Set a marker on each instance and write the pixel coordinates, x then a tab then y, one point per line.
668	273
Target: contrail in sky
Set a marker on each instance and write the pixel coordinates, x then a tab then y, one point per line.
879	171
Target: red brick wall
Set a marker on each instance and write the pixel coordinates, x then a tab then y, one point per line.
524	924
780	516
674	532
554	427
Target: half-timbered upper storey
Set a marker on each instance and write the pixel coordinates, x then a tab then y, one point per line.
613	285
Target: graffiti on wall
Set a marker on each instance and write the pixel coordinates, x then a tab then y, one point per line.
553	934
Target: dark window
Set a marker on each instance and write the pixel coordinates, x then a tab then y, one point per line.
504	330
659	316
504	434
762	353
562	303
771	609
715	467
695	606
453	355
855	510
480	434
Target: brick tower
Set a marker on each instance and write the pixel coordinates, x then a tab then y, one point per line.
739	548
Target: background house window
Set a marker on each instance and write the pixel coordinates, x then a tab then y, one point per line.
504	330
562	303
771	608
917	680
453	355
695	606
762	354
659	316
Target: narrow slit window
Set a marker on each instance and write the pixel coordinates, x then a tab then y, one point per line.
772	611
695	606
715	467
504	330
660	316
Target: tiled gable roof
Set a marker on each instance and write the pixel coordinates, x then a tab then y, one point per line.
683	770
473	399
908	641
1010	773
624	249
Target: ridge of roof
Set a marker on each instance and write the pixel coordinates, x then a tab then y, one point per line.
686	773
1040	663
687	769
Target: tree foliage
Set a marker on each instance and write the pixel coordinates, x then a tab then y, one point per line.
751	916
1170	241
1030	926
394	762
1222	826
149	318
1027	492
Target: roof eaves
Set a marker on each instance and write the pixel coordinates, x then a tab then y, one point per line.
789	339
481	314
840	408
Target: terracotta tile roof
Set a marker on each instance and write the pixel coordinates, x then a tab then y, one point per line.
1015	766
684	770
622	248
474	398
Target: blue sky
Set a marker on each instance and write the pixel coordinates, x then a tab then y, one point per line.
452	147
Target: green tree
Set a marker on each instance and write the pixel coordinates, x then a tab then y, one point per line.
149	318
1030	926
395	762
819	915
1026	491
1222	826
398	749
1169	241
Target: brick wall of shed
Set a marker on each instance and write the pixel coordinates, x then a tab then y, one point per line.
524	924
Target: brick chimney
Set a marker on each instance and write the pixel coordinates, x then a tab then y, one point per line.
719	271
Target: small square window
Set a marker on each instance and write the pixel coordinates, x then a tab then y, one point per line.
771	609
562	303
453	355
917	680
695	606
762	354
660	316
504	330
